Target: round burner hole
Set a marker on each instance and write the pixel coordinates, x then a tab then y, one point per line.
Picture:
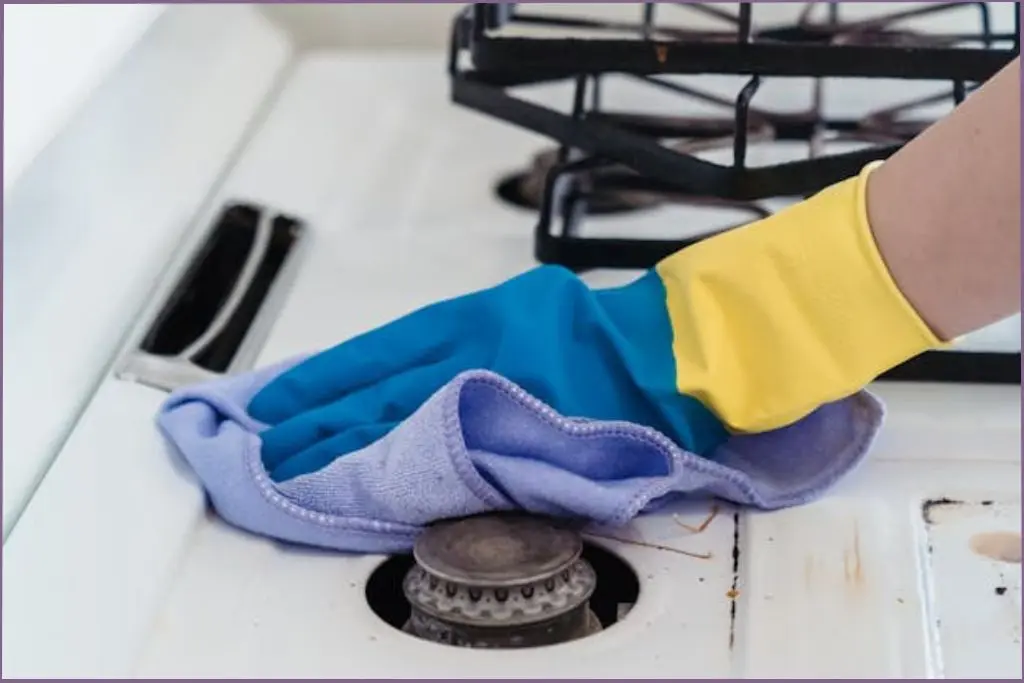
513	190
616	591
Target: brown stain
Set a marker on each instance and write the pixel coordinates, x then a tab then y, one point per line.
853	565
661	53
1001	546
700	527
858	565
652	546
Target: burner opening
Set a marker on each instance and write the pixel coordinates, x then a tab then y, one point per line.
525	191
615	593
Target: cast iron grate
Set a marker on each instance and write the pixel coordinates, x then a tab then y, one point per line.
614	161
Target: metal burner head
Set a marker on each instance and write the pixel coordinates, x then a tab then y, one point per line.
492	551
500	581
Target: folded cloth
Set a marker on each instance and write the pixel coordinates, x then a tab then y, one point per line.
483	444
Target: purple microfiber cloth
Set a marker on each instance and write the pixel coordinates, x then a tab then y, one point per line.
483	444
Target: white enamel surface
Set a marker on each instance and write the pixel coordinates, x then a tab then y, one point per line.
977	594
91	557
396	184
89	225
54	55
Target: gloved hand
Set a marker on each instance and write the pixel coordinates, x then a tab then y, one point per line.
744	332
602	354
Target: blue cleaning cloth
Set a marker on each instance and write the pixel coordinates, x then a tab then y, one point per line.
481	443
603	353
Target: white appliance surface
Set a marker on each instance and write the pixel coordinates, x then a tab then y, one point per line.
90	222
54	56
117	568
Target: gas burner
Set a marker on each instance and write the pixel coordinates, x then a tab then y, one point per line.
526	190
601	191
500	581
615	586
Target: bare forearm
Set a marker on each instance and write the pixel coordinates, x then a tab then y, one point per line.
945	212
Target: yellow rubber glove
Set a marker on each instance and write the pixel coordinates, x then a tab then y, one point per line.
776	318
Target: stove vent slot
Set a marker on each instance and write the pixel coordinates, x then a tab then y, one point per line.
206	327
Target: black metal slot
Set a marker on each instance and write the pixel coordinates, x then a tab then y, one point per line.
206	285
208	282
221	351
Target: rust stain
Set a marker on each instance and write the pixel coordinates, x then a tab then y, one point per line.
1002	546
853	567
858	567
661	52
700	527
653	546
732	593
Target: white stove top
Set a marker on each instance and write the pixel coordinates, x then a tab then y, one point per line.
116	567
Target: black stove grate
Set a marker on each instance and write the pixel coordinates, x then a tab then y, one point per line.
631	160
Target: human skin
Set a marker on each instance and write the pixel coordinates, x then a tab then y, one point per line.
945	212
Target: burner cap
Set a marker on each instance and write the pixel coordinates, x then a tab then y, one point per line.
496	550
504	580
